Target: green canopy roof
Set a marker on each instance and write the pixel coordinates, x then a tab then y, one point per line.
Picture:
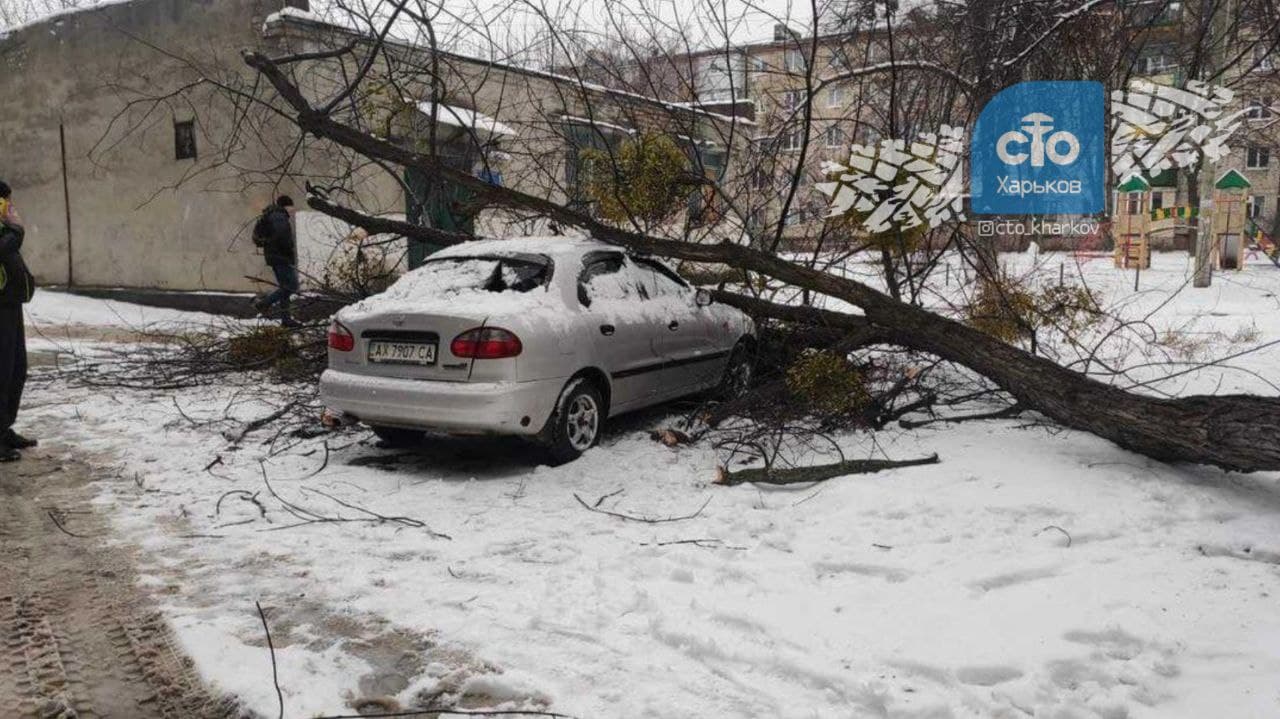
1135	183
1232	180
1168	178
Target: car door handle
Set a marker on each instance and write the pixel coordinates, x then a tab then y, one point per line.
607	330
675	325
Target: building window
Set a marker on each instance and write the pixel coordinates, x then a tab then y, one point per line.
1258	158
793	140
1259	109
1157	201
835	136
835	97
794	61
1262	58
1255	207
1157	61
758	64
184	140
791	99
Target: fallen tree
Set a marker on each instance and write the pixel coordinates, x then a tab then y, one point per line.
1233	432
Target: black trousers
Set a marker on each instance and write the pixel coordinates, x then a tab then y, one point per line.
13	363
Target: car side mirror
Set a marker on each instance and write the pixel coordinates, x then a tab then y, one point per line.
702	297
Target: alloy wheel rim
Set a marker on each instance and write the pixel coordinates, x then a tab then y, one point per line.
582	422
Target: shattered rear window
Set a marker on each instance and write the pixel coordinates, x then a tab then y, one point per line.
523	273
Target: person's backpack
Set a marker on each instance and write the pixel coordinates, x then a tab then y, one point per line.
262	229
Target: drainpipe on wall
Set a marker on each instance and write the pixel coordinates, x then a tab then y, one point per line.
66	202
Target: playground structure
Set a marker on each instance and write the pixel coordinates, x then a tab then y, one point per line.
1135	222
1132	224
1227	221
1268	244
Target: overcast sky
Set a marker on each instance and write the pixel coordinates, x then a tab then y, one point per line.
516	23
511	22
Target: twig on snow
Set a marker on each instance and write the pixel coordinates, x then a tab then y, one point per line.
638	518
306	516
704	543
53	514
275	674
606	496
1060	529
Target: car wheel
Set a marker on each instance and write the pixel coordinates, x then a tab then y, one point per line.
575	428
737	374
397	436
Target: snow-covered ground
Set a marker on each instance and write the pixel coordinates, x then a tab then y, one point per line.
1030	573
54	310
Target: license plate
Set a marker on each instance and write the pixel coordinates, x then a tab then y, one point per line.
402	353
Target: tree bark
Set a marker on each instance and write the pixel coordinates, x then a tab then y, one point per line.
818	473
1234	432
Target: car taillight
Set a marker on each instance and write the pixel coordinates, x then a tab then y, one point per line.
486	343
340	338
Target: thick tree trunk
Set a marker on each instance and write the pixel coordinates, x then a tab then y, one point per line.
1233	432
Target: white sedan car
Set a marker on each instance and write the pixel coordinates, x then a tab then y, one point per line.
540	337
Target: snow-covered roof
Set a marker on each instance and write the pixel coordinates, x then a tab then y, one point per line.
600	124
532	72
57	15
289	11
471	120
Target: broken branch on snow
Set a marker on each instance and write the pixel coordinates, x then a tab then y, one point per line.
817	473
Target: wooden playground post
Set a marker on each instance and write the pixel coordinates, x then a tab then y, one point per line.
1229	219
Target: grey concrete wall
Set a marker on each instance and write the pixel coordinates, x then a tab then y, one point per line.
139	217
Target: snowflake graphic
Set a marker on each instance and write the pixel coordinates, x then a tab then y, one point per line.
900	183
1157	127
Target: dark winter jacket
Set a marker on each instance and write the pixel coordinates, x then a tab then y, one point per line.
16	283
278	244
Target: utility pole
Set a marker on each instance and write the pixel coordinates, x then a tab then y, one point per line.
1215	36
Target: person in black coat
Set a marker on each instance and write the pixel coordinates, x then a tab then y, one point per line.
274	234
16	288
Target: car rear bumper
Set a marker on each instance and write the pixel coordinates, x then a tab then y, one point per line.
520	408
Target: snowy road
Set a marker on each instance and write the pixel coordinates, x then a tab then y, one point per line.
79	639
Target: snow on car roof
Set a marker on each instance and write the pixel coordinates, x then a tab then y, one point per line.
455	288
552	246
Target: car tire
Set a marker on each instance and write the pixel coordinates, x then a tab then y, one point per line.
575	426
738	373
398	436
